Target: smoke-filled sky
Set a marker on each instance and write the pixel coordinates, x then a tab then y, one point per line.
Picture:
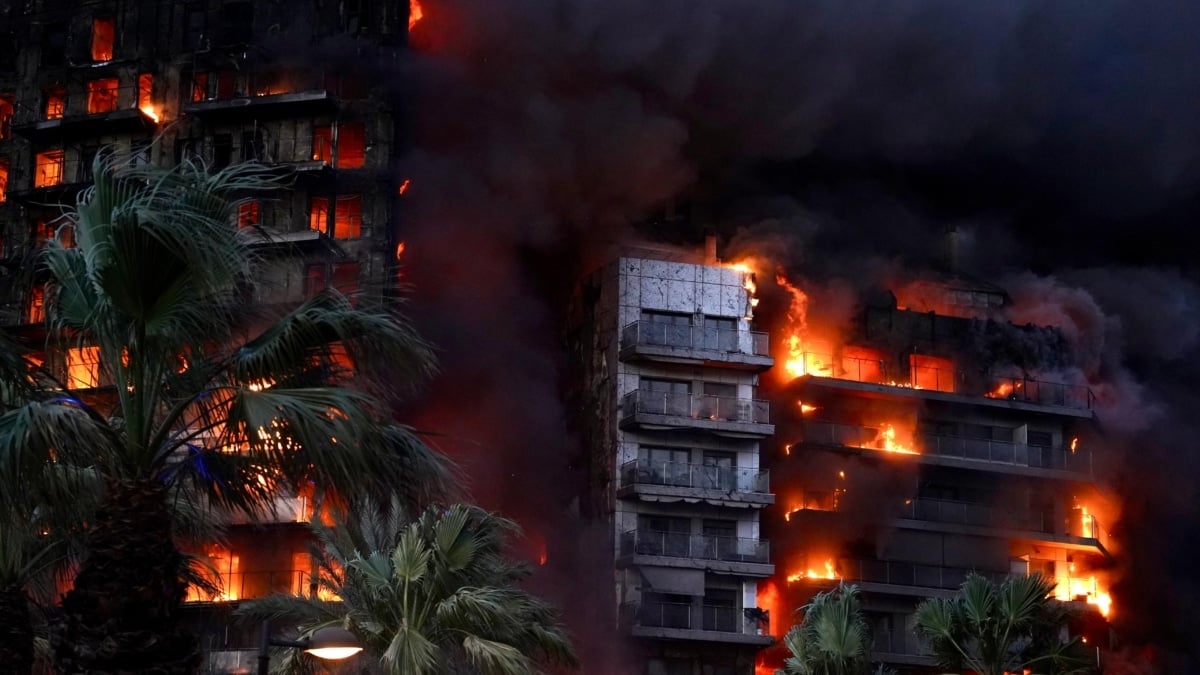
1060	140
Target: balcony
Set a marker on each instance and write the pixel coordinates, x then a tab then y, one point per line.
695	345
968	453
715	484
1028	390
1082	531
250	585
726	416
282	510
910	576
297	103
900	647
733	555
687	621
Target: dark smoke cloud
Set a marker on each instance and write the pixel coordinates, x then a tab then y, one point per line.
1058	139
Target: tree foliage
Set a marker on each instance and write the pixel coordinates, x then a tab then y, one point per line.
832	638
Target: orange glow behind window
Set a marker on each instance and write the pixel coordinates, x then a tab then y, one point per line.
37	304
104	31
199	86
48	168
83	368
229	578
3	181
146	91
932	372
247	214
347	217
102	95
6	115
351	146
56	104
323	144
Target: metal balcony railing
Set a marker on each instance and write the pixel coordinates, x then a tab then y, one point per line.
699	476
899	642
836	433
1004	452
968	513
1045	393
249	585
696	406
283	509
655	614
695	546
699	338
908	574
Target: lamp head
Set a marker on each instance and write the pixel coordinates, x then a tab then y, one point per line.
332	643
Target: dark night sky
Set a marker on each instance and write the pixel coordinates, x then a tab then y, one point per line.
1059	138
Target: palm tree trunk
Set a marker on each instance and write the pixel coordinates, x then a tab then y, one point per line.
16	631
122	616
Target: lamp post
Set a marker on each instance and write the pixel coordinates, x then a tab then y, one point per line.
330	643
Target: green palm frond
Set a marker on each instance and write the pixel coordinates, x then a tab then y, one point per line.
496	658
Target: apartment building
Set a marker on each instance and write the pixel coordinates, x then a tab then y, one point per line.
217	81
675	423
914	452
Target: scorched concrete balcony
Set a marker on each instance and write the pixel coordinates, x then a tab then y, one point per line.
688	621
696	345
725	485
906	578
732	555
1079	531
735	417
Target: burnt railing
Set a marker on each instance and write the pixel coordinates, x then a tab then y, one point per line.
697	476
697	338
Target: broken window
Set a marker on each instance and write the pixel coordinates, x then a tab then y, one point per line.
254	145
87	158
83	368
6	115
48	168
104	30
3	180
139	153
189	150
102	95
56	103
347	216
343	146
247	214
222	150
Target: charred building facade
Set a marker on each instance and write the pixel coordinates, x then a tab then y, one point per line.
676	424
212	81
918	448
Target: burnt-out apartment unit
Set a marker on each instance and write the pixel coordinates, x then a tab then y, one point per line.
670	374
919	448
294	85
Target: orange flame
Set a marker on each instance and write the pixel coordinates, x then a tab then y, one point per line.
810	573
1074	444
887	438
150	112
1074	588
798	363
415	13
805	408
403	187
400	250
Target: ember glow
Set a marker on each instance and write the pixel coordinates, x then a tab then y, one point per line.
806	408
403	187
415	14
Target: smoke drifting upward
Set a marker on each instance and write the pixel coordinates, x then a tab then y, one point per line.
1047	134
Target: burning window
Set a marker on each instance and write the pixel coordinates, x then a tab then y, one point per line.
862	364
48	168
56	104
102	95
227	565
347	216
344	146
199	87
104	30
37	304
83	368
247	214
145	96
268	84
3	180
6	115
932	372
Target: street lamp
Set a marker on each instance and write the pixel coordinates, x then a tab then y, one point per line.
330	643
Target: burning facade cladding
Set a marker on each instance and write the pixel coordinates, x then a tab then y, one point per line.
164	81
901	459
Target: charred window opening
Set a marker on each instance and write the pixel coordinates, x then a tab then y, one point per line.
48	168
343	146
188	150
195	27
56	103
102	95
87	157
37	305
254	145
145	94
54	44
347	216
199	87
222	150
3	180
356	16
139	153
6	115
346	85
343	277
268	83
248	214
104	31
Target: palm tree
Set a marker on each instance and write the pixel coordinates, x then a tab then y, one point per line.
432	595
832	638
994	629
210	400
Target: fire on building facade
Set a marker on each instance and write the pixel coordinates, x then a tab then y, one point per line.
212	81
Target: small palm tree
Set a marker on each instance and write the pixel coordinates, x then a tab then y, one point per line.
832	638
210	400
994	629
434	595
